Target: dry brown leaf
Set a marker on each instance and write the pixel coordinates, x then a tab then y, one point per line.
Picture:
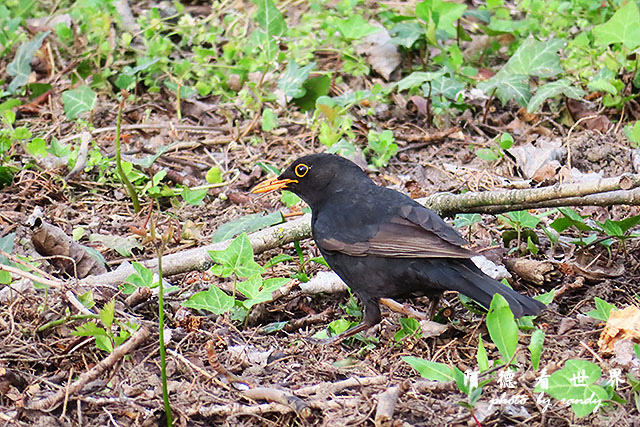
622	325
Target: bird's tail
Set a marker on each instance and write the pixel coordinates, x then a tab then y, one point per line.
469	280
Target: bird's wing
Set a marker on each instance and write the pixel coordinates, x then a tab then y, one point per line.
398	238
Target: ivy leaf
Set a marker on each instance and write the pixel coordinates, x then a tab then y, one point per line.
405	34
77	101
621	28
536	58
20	67
270	18
417	78
237	259
355	28
507	87
122	245
575	383
552	89
214	300
602	311
293	78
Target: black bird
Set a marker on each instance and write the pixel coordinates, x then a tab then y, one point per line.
382	243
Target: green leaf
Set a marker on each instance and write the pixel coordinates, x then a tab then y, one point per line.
107	313
523	219
6	244
552	89
214	175
574	383
418	78
289	198
258	291
434	371
605	81
355	27
314	88
444	86
37	147
466	220
57	149
292	80
506	141
602	311
20	67
535	347
89	329
408	327
21	133
632	131
122	245
246	224
443	13
78	101
278	259
502	327
531	246
87	300
213	300
636	349
143	277
536	58
481	356
507	87
269	18
237	259
268	168
269	120
406	34
193	196
621	28
487	154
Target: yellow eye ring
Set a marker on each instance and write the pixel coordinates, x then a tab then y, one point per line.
301	170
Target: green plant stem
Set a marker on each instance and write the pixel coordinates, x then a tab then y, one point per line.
54	323
130	188
163	362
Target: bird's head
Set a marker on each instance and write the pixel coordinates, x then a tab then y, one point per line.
315	176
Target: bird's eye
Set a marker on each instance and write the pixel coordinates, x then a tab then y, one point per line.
301	170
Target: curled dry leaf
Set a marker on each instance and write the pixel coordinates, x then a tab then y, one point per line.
622	325
73	257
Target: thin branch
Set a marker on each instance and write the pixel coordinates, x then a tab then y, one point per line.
604	192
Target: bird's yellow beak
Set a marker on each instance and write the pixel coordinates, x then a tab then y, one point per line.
273	185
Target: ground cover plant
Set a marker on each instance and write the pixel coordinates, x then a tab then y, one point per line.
133	132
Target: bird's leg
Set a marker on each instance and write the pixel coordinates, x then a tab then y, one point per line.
434	301
371	318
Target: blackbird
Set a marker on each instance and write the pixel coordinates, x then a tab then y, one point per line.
382	243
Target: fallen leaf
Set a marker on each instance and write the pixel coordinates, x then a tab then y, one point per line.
622	325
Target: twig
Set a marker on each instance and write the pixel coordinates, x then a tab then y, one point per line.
198	258
332	388
279	396
148	126
604	192
387	405
56	284
403	309
118	353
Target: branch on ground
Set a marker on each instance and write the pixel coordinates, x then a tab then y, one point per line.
624	189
